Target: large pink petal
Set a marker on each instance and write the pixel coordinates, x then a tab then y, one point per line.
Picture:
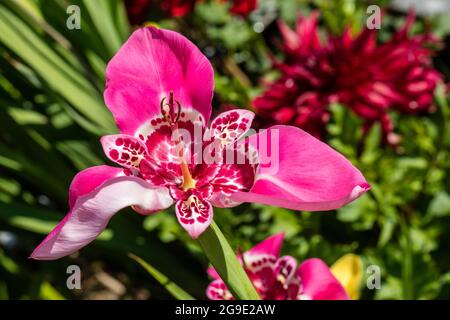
87	180
151	64
92	211
301	172
270	246
318	283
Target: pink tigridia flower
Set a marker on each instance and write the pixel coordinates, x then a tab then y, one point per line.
369	78
159	89
281	278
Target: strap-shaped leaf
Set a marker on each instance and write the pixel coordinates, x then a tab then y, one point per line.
170	286
222	257
60	76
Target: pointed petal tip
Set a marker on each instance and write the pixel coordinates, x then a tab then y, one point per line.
281	234
34	255
278	238
271	245
195	233
359	190
39	255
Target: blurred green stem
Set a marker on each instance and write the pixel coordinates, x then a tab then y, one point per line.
222	257
407	263
237	72
52	32
176	291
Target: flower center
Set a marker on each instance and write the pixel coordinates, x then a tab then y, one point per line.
188	181
172	116
168	109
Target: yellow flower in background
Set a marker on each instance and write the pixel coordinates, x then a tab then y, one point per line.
151	24
349	271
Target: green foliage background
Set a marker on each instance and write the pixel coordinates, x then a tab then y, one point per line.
52	115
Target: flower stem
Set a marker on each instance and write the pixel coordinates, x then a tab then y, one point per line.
171	287
407	261
222	257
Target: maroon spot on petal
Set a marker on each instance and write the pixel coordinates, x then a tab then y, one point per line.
114	154
187	221
119	141
201	219
125	156
234	116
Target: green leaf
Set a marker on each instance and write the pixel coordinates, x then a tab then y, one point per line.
3	291
170	286
407	262
213	12
59	75
387	229
440	205
222	257
356	209
48	292
8	264
442	25
104	22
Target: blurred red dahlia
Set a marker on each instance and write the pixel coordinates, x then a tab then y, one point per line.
369	78
178	8
138	9
243	7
